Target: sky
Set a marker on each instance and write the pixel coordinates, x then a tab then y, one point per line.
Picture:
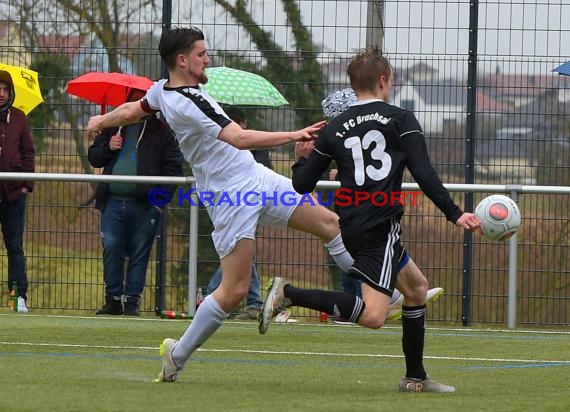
529	36
515	36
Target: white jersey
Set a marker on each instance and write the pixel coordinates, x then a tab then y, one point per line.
197	120
219	167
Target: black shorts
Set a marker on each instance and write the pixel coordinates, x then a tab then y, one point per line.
378	256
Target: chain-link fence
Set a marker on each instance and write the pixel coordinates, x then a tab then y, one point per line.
478	75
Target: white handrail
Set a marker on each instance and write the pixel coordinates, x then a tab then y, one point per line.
512	190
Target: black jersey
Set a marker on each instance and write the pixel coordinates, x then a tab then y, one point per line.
372	142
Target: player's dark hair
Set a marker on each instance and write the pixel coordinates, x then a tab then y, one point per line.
365	69
177	40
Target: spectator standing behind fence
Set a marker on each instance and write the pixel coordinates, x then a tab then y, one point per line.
254	299
17	154
129	220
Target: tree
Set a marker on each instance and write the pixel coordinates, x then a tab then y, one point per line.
103	24
300	75
53	68
104	20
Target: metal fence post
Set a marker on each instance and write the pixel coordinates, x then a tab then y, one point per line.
512	290
470	159
193	251
161	258
160	291
375	24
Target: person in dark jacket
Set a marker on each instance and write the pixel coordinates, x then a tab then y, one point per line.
129	220
16	155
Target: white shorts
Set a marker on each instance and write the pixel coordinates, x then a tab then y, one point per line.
268	198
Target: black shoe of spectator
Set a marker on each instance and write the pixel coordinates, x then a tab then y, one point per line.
132	306
112	306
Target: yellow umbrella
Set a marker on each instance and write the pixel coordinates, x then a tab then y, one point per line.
26	87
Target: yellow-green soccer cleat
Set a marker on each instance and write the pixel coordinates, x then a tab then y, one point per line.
170	372
275	303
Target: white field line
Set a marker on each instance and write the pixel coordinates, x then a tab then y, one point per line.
312	325
300	353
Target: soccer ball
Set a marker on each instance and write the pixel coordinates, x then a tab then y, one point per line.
500	217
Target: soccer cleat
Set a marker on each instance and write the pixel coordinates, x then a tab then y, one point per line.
434	293
395	309
342	321
427	385
275	303
170	372
22	305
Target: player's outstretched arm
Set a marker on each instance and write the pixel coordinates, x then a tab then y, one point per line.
309	168
257	139
469	221
126	113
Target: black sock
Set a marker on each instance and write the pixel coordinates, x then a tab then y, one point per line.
413	333
334	303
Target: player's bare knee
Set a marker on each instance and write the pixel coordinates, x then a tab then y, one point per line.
332	222
374	323
230	296
330	226
372	320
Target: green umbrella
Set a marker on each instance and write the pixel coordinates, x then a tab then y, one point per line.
241	88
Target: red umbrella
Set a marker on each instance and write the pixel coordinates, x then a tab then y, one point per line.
111	89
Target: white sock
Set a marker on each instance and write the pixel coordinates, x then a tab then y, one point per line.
339	253
208	318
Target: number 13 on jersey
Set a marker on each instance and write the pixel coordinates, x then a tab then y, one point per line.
358	146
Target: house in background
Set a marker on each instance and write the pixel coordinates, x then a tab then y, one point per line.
519	90
418	73
519	117
442	102
508	158
61	45
434	103
533	136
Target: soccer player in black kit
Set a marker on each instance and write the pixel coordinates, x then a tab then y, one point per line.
372	142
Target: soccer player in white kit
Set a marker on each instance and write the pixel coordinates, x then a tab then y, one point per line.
213	144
